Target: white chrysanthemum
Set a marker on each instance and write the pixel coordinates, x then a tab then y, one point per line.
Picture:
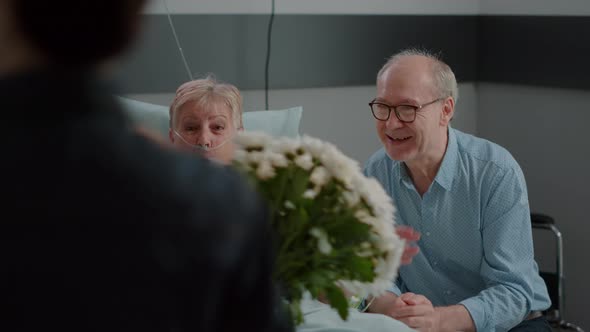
252	139
364	216
310	194
304	161
351	197
240	155
324	163
365	253
340	166
372	191
319	176
265	170
313	145
241	158
324	245
278	159
284	145
255	157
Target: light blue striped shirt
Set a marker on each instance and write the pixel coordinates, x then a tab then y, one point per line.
476	247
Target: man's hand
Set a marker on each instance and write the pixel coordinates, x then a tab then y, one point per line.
410	235
414	310
417	312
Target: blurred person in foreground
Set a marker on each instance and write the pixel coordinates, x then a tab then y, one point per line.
103	230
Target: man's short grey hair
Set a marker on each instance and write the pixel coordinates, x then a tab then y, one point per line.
444	78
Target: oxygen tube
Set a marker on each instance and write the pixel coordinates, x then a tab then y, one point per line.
203	147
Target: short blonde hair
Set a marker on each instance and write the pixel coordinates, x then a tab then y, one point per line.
443	76
206	91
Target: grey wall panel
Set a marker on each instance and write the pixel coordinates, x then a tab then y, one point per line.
549	51
347	50
307	50
534	7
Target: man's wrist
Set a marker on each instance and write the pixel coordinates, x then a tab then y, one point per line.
380	304
455	318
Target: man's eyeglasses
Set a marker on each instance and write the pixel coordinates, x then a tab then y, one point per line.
405	113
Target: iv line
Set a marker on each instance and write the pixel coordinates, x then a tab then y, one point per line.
188	70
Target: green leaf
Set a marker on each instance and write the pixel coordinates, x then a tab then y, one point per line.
316	283
298	184
362	267
347	230
296	313
337	300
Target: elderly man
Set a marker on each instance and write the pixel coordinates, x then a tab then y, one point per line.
102	230
468	198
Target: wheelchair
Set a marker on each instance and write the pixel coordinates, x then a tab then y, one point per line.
554	279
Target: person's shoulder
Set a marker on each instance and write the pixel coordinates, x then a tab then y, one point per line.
181	185
195	180
484	151
175	183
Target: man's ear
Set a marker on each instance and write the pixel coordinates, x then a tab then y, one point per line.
448	111
171	135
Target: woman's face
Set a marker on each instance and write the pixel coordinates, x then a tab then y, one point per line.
207	130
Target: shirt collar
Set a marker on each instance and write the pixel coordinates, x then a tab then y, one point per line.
402	174
448	167
446	172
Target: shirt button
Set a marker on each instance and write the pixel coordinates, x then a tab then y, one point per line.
427	233
449	292
435	263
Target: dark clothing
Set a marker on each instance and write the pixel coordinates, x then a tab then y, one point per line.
103	230
539	324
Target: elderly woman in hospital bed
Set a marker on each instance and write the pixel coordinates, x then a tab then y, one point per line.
205	116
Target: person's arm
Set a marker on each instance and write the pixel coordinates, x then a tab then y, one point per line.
387	303
382	304
507	267
417	312
455	318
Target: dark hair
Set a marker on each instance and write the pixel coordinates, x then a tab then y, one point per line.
79	32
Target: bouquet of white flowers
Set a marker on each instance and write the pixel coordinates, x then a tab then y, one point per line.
334	226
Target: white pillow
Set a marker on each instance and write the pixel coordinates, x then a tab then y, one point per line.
150	116
275	122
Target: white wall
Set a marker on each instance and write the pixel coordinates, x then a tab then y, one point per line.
433	7
401	7
547	131
338	115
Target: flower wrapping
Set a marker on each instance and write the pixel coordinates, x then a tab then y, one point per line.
334	226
